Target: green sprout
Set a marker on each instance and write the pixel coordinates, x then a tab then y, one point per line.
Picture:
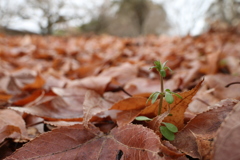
168	130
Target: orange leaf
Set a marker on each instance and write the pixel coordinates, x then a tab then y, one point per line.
29	98
132	103
37	84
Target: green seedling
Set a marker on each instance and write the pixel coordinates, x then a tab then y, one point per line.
168	130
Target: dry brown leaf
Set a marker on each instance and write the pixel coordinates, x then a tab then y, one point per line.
132	103
201	130
188	74
202	99
10	86
218	83
126	117
56	108
122	73
211	66
78	142
131	107
170	152
29	98
94	104
4	98
233	65
37	84
11	125
142	85
226	143
97	83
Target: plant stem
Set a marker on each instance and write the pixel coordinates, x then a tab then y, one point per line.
160	104
161	80
161	96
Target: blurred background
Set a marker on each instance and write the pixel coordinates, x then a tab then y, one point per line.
117	17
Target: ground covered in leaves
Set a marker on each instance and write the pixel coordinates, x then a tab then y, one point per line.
77	97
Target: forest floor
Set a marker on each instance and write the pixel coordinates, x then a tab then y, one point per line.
78	97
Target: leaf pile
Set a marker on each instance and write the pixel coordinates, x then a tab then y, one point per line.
77	97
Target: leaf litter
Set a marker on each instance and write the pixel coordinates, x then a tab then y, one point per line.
78	86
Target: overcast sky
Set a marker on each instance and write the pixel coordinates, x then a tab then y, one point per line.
185	15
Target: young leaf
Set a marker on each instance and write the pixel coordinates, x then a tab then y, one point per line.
150	97
143	118
152	67
154	97
167	133
163	73
163	65
177	95
169	98
171	127
169	91
165	68
158	64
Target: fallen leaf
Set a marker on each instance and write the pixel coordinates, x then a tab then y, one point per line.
97	83
201	130
126	117
122	73
29	98
211	64
13	127
218	83
4	98
142	85
56	108
203	99
132	103
94	104
226	144
171	152
131	107
78	142
37	84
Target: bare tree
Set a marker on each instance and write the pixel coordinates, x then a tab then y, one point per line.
137	10
225	12
7	12
126	18
48	13
100	17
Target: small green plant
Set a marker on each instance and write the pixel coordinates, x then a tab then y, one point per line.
167	129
